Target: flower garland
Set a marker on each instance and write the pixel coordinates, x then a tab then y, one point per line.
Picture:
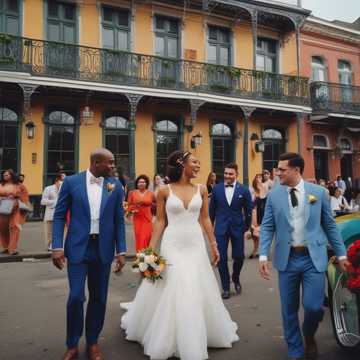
353	254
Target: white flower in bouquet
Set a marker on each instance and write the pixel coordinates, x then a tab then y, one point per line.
150	260
143	266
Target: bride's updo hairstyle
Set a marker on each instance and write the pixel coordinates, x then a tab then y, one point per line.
175	165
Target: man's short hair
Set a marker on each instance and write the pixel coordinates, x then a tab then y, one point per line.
232	166
294	160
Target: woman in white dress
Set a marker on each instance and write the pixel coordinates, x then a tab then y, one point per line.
182	314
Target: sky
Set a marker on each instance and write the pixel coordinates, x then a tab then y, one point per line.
345	10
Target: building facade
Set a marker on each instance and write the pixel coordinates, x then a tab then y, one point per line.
144	78
331	59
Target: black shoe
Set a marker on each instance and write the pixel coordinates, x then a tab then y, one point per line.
238	288
15	253
6	251
251	256
225	295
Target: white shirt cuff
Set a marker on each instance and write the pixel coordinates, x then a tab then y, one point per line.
122	253
59	249
344	257
263	258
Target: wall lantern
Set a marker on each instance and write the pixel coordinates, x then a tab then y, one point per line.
260	146
254	137
196	140
30	130
87	116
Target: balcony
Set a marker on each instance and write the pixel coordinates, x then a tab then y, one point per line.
335	98
81	63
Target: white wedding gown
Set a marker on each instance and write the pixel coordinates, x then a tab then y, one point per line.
182	314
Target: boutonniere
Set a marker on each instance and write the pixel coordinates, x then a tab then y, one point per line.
110	187
312	199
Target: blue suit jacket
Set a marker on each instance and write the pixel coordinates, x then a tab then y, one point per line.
320	227
73	197
235	217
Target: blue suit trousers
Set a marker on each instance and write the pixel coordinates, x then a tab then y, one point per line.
301	273
97	275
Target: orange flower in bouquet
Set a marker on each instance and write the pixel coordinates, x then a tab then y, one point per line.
149	264
129	210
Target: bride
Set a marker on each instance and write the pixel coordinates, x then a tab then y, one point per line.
182	314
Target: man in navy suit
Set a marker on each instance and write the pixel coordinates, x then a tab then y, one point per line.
230	210
96	230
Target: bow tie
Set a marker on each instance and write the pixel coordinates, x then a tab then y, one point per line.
229	185
95	180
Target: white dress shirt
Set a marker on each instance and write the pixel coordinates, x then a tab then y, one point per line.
297	215
229	192
338	203
94	193
49	199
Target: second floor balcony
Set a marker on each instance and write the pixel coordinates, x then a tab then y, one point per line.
81	63
335	98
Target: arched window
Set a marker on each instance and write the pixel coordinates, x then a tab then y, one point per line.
168	139
346	145
9	133
318	69
117	140
345	73
61	143
274	140
320	142
223	147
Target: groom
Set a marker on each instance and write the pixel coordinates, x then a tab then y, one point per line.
230	209
96	230
298	214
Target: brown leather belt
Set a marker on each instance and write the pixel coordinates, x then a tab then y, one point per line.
94	236
300	250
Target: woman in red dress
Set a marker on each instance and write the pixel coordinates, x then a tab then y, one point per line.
141	201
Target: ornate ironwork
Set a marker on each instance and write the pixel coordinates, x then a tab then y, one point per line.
194	108
336	98
52	59
28	90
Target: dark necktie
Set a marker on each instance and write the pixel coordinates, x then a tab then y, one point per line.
229	185
294	200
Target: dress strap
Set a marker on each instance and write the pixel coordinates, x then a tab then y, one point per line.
169	187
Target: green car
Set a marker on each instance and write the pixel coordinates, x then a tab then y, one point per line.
345	305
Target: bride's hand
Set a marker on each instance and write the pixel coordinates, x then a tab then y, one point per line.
215	254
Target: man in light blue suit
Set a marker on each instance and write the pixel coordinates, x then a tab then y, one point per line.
95	232
299	219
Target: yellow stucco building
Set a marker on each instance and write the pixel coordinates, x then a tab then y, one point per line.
146	77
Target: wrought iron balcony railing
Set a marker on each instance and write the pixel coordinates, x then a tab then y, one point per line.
335	98
52	59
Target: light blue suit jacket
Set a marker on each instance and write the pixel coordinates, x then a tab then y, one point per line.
320	227
73	197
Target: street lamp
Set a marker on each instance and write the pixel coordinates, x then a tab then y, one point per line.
30	130
260	146
196	140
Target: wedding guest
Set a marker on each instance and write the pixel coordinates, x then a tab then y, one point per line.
141	201
157	182
300	254
49	199
275	177
259	192
322	183
354	206
338	201
21	178
230	209
10	225
211	182
340	183
266	179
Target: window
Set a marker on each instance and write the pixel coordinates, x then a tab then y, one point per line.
266	55
318	69
346	145
345	78
274	147
167	140
10	17
320	141
219	46
115	28
223	147
61	27
61	133
166	46
117	140
9	130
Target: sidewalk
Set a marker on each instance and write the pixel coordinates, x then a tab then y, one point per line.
32	243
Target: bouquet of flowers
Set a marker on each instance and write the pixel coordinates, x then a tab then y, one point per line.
353	253
149	264
129	210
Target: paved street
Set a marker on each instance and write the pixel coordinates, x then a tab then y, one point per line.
32	317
